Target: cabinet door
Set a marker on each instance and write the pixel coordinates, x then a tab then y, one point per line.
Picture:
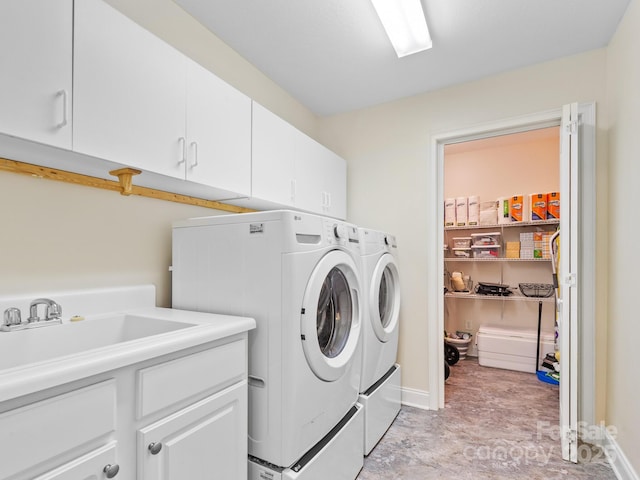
35	84
321	179
88	467
335	185
129	92
309	174
206	440
273	155
218	132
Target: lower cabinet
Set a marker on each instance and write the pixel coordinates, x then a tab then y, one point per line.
204	440
42	435
100	463
182	416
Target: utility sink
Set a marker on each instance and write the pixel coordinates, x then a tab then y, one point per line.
50	342
102	330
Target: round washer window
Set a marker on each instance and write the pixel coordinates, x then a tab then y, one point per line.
335	313
385	297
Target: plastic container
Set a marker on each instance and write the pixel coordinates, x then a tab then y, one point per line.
461	242
486	251
511	348
461	252
461	344
482	239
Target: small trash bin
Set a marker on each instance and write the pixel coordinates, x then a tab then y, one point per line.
461	344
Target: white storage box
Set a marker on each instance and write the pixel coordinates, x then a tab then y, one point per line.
461	242
461	252
485	239
486	251
511	348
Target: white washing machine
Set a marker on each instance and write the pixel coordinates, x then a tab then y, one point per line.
298	275
380	390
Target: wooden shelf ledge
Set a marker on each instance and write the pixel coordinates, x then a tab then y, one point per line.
124	184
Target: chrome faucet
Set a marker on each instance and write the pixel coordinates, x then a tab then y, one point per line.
52	310
13	320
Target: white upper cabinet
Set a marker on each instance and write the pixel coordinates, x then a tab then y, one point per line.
334	185
129	92
309	173
35	58
321	179
84	77
218	132
273	145
139	102
291	169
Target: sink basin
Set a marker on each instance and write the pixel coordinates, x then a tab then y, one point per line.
47	343
122	327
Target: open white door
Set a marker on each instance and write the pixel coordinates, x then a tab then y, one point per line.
568	276
576	273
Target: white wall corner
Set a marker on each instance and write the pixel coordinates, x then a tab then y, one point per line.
416	398
617	459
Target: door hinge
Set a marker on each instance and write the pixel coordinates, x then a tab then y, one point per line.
572	436
572	127
570	280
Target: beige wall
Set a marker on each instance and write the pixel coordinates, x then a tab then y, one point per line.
388	149
623	89
521	163
57	236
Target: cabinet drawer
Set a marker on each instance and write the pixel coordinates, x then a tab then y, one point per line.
44	430
172	382
87	467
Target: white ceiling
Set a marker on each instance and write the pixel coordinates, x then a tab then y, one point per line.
333	55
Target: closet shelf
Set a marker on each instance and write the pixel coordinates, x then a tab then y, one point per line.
515	297
506	225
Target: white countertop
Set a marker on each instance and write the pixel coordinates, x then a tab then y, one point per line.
32	377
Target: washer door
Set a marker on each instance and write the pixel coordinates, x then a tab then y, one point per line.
330	320
384	298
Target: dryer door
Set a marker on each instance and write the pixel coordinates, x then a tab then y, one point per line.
384	298
330	320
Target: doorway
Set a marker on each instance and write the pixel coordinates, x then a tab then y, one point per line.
578	126
487	249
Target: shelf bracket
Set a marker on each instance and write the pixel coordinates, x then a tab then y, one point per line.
125	177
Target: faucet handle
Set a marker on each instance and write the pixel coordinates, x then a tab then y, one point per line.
12	316
54	311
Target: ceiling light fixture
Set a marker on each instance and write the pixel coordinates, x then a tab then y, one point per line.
405	25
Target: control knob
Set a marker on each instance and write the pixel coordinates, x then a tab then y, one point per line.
340	231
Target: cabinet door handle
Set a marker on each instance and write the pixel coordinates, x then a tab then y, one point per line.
194	145
65	111
111	471
155	448
183	156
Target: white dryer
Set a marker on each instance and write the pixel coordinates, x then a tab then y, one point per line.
298	276
380	380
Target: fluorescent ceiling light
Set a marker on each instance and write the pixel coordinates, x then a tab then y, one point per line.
405	25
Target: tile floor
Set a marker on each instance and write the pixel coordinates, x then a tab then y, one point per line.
496	424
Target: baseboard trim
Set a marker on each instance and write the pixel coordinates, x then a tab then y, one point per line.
617	459
415	398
